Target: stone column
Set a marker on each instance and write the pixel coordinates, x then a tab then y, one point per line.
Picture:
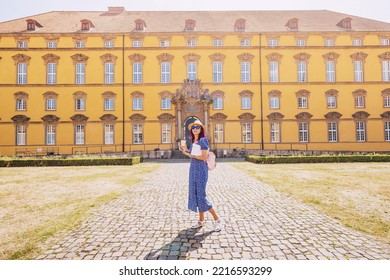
179	130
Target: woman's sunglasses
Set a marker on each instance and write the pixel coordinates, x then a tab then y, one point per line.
195	127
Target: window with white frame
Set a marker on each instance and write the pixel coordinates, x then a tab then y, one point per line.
51	104
166	134
386	101
165	72
108	134
331	101
164	43
191	71
166	103
137	103
191	43
245	43
108	73
360	101
361	131
385	42
300	43
79	134
275	132
332	132
386	70
137	133
109	44
274	102
245	72
272	43
20	135
217	72
80	44
218	133
387	131
357	42
80	104
218	103
246	132
358	70
109	104
22	44
50	134
245	103
137	73
302	72
302	102
22	73
137	44
274	71
303	132
329	43
330	71
21	104
217	43
80	73
51	73
52	44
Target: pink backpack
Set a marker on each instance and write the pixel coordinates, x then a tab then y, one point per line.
211	162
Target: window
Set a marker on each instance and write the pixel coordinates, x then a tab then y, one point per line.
137	44
191	43
165	72
164	43
109	73
108	134
245	72
302	102
385	42
109	104
274	72
50	135
166	133
272	43
137	134
274	103
52	44
217	72
22	44
80	104
22	73
303	132
217	43
137	103
359	101
387	131
191	71
51	104
246	133
332	132
166	103
301	43
20	135
302	72
80	134
386	101
80	73
275	132
80	44
218	133
245	43
137	73
21	104
357	42
358	70
51	73
245	103
218	103
109	44
361	131
386	70
329	43
331	102
330	71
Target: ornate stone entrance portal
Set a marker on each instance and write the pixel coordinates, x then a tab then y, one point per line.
191	101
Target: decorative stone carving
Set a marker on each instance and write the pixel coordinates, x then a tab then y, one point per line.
165	57
274	57
166	117
137	118
303	93
359	56
332	92
50	119
192	92
275	117
79	58
302	57
384	56
109	94
108	58
50	95
20	119
274	93
108	118
331	56
361	115
137	57
246	117
79	94
191	57
21	58
217	57
333	116
359	92
218	117
304	116
246	93
20	95
79	119
137	94
386	115
50	58
245	57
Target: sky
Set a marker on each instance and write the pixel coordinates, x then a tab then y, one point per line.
373	9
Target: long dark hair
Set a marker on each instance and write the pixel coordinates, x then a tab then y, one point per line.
202	134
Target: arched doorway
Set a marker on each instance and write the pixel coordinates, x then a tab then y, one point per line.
186	132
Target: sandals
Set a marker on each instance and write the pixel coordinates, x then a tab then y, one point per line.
217	225
197	224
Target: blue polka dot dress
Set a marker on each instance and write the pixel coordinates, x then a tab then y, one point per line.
197	200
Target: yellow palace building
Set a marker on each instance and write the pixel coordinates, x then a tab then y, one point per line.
123	81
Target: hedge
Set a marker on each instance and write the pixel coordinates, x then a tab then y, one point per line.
25	162
317	159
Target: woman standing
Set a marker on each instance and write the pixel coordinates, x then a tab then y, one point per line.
197	200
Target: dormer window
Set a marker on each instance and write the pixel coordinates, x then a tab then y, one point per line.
345	23
140	25
190	25
32	24
240	24
292	24
86	25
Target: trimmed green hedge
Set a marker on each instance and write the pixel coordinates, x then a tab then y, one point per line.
317	159
24	162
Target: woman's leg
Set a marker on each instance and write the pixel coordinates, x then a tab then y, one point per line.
201	216
215	216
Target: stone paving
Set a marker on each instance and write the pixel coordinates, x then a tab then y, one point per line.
151	221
